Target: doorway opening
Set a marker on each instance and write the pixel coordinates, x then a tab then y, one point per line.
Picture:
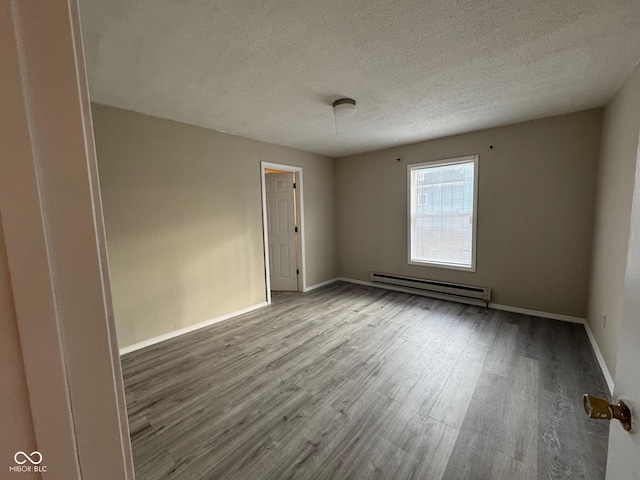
283	227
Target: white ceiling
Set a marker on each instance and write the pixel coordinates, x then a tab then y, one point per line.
419	69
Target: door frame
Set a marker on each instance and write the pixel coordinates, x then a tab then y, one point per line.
623	446
300	250
56	246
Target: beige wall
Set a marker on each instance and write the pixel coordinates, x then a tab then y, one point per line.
182	208
15	413
619	150
535	211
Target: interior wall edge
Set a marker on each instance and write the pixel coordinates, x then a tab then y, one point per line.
617	165
601	361
321	284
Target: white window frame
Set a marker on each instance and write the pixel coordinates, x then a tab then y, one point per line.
411	207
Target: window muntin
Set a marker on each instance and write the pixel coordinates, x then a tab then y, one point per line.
442	213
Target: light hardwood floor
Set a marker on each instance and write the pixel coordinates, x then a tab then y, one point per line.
353	382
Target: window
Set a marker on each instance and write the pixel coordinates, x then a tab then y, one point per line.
442	213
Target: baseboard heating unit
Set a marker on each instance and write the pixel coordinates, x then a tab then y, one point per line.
447	291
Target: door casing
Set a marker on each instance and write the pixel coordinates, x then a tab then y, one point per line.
56	246
302	278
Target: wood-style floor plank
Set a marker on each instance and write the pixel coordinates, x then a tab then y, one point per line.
429	451
452	403
354	382
506	468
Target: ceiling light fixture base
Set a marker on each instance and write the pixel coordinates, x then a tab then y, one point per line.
344	108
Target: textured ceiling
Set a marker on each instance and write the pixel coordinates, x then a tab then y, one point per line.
419	69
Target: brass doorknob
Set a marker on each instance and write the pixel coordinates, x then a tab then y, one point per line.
601	409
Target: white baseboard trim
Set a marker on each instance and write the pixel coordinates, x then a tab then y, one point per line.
537	313
190	328
495	306
603	365
566	318
321	284
411	291
359	282
553	316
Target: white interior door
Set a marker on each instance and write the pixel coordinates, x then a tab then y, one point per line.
281	228
624	447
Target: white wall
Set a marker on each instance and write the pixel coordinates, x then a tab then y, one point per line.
183	213
616	170
535	211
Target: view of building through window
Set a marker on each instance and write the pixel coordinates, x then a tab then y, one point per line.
442	202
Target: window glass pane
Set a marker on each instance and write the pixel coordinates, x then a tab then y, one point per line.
442	205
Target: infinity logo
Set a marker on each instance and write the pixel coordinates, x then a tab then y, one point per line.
29	458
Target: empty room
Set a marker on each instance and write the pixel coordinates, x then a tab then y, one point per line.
320	240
